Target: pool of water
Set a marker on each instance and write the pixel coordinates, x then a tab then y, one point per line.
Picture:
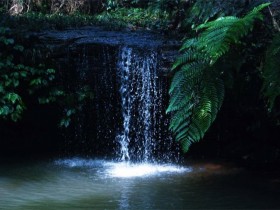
98	184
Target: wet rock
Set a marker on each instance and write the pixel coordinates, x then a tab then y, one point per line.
76	39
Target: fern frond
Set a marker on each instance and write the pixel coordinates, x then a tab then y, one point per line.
218	35
183	59
179	100
188	56
195	110
178	120
211	97
189	74
197	91
188	43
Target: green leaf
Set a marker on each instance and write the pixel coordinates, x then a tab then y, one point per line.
13	97
19	48
65	122
23	74
50	71
5	110
20	108
36	82
9	41
70	112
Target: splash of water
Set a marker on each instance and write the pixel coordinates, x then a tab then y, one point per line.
128	170
123	169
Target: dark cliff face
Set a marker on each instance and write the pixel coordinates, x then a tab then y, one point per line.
89	56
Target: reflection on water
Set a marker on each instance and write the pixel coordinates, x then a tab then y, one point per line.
97	184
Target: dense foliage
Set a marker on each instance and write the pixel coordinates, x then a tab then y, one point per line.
18	78
197	90
22	79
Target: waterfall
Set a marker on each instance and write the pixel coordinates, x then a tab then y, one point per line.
126	118
141	101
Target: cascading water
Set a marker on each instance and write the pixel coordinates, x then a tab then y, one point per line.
141	104
126	118
129	104
124	139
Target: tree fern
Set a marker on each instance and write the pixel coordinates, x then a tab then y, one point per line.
271	72
197	89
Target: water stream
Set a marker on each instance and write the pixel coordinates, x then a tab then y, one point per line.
141	103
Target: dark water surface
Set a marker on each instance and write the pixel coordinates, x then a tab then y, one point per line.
97	184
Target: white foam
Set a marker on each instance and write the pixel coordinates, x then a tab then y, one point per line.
127	170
